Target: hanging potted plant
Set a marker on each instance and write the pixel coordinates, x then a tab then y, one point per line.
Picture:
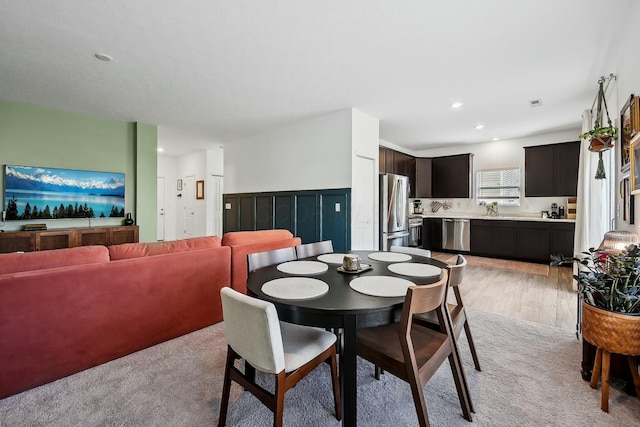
609	284
600	138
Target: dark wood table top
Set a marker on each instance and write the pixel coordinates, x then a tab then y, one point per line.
340	299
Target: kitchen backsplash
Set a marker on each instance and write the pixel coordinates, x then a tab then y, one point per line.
531	206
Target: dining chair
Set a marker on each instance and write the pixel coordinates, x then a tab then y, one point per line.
255	334
413	352
457	311
411	251
316	248
264	259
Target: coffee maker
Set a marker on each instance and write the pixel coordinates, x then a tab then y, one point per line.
417	207
555	213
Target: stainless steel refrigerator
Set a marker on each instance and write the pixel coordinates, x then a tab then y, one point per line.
394	214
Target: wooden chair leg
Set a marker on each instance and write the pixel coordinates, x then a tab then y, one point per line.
461	387
281	388
378	371
336	387
418	401
604	401
472	347
633	365
226	389
597	365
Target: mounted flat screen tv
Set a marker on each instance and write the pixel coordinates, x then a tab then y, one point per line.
49	193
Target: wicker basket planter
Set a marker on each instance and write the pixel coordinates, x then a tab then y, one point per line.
611	332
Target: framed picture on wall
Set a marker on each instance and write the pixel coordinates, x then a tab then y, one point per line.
634	150
629	127
200	190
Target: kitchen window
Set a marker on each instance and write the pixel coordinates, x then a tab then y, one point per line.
498	185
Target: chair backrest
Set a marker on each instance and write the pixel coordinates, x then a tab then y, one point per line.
316	248
252	329
411	251
423	299
264	259
456	272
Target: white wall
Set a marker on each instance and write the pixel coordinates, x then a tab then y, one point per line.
307	155
625	63
501	154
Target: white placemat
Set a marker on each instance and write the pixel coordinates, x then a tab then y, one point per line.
381	286
415	269
295	288
389	256
331	258
303	267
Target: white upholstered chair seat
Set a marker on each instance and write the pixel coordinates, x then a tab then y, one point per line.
303	343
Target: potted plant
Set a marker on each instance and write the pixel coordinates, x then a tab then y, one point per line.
609	284
601	137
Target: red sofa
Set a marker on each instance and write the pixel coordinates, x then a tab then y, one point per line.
66	310
243	243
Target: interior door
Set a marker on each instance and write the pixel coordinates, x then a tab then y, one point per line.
189	197
160	209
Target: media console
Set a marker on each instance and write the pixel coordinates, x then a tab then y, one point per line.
58	238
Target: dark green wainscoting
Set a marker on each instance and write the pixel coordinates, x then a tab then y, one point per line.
309	214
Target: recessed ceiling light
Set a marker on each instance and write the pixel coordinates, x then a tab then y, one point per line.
478	127
160	150
456	105
495	139
103	57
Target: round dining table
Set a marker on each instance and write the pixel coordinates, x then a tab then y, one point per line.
342	307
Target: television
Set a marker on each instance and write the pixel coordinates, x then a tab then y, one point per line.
50	193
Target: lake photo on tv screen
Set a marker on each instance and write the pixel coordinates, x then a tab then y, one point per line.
49	193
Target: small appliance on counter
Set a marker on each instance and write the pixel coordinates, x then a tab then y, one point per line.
554	211
417	207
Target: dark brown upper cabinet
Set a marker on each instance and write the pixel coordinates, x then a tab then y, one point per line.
551	170
423	178
451	176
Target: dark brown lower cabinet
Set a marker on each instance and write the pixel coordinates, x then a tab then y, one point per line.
494	238
432	233
533	241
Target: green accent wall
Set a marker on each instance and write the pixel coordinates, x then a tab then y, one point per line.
146	182
38	136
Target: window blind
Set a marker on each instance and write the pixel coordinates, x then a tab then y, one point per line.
498	185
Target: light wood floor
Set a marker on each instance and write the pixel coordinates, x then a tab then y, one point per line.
533	292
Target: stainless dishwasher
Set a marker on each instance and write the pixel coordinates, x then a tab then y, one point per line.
455	234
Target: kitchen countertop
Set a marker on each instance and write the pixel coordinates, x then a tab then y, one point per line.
463	215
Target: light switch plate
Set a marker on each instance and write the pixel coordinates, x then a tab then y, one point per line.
227	206
338	207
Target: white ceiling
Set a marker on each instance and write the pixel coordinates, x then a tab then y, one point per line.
215	71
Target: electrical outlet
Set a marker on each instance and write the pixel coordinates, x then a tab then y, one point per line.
338	207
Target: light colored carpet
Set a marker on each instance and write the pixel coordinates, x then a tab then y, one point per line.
530	377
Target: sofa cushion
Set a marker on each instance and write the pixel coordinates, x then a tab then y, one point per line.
250	237
136	250
40	260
